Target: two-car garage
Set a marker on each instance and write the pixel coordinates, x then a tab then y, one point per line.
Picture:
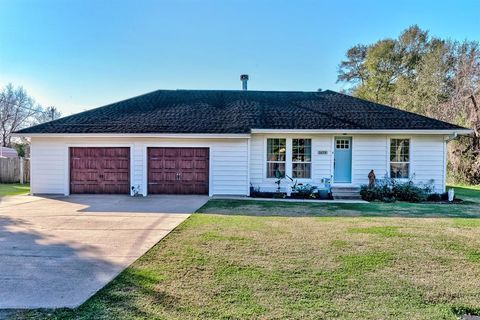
106	170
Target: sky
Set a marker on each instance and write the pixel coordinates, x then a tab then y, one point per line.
81	54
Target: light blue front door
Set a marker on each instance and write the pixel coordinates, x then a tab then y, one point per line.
342	160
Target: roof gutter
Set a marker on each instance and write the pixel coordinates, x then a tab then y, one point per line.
363	131
135	135
454	133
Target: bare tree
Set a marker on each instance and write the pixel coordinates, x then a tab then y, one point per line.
17	110
49	114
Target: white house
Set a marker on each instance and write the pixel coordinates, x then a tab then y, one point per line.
222	142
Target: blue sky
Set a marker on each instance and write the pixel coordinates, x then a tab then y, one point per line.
82	54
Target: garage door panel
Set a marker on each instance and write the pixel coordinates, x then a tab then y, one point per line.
100	170
169	152
201	177
187	177
169	163
201	152
164	188
118	164
115	188
79	176
186	152
186	164
156	153
116	176
158	164
178	171
201	164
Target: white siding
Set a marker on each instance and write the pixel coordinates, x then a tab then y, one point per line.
48	166
230	172
427	159
228	161
369	152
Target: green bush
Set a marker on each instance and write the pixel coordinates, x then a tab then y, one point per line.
390	190
305	191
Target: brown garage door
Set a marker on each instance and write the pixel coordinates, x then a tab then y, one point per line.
178	170
100	170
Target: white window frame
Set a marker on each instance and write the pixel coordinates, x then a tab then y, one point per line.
302	162
409	162
267	161
288	158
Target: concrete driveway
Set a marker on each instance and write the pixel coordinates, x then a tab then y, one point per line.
57	252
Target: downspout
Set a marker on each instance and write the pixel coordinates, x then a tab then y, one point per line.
452	137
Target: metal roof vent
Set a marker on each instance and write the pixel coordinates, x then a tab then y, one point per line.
244	79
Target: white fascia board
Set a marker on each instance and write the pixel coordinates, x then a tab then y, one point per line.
135	135
362	131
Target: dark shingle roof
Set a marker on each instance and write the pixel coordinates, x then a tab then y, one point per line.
221	111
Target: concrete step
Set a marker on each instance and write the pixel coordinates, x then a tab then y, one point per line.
341	189
346	193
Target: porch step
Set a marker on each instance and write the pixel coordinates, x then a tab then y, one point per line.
351	193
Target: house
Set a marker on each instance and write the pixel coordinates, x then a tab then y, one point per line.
220	142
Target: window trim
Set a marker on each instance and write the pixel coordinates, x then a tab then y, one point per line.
266	162
302	162
288	159
410	169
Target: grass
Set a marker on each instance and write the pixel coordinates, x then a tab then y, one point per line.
468	209
275	260
11	189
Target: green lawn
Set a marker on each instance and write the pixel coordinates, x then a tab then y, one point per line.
469	208
11	189
276	260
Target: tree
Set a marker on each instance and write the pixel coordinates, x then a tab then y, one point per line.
17	110
427	75
49	114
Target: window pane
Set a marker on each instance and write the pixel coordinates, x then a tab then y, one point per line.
272	167
301	170
400	150
399	170
301	150
276	149
342	144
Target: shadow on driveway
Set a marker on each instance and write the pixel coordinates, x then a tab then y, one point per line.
57	252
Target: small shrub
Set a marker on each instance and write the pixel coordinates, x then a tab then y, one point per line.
306	191
368	193
391	190
409	192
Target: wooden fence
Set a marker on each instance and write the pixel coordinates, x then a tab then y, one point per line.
14	170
